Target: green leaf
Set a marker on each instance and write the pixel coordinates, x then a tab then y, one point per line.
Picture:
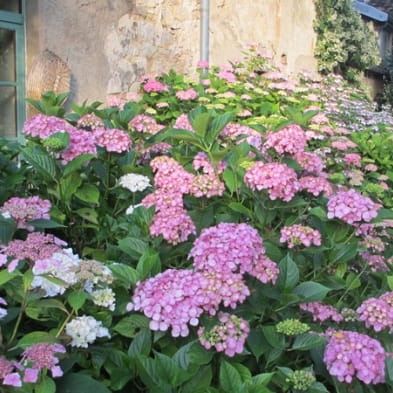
352	281
34	338
318	387
276	340
217	125
76	163
149	264
262	379
44	224
244	372
200	382
88	193
389	370
88	214
239	208
77	299
183	135
289	274
169	371
6	276
41	161
229	179
255	342
80	383
388	278
7	229
306	341
133	246
126	274
230	379
344	252
141	344
199	119
46	385
311	291
384	214
129	326
318	212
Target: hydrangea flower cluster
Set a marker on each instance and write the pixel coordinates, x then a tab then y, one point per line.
185	95
207	185
353	159
92	274
85	330
377	313
351	354
228	336
145	124
311	162
343	143
39	357
59	266
351	207
374	261
36	246
112	139
291	139
43	126
315	185
134	182
90	122
280	180
104	298
233	248
154	86
183	123
292	327
81	142
7	374
240	132
296	235
23	210
301	380
321	312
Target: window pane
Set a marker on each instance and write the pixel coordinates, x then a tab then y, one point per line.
11	5
8	112
7	55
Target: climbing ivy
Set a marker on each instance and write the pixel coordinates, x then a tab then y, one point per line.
345	44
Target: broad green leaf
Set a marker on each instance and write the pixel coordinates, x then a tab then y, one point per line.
310	291
238	207
88	214
352	281
46	385
217	125
77	299
229	179
6	276
318	212
149	264
80	383
256	343
133	246
289	274
230	379
306	341
199	382
7	229
274	339
44	224
141	344
199	119
318	387
344	252
34	338
384	214
88	193
390	282
129	326
41	161
169	371
68	186
77	163
126	274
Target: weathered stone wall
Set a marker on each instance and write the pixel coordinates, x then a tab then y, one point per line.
109	44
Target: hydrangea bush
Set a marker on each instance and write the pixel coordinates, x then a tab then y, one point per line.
215	236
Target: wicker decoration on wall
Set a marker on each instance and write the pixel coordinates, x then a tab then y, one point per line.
48	73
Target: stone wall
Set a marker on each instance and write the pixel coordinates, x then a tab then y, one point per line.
109	44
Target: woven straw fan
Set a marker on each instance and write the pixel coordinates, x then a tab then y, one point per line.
48	73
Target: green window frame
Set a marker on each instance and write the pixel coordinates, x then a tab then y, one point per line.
15	23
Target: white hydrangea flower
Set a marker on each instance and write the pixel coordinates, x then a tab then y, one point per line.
60	265
84	330
134	182
131	209
104	298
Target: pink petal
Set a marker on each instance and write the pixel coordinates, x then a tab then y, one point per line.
12	380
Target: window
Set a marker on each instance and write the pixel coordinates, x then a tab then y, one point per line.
12	68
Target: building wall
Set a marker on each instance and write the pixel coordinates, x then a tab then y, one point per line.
109	44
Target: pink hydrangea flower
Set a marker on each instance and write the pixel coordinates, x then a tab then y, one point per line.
6	373
229	336
321	312
311	162
90	122
201	161
299	234
145	124
351	354
203	64
376	314
374	261
183	123
43	126
112	139
41	356
81	142
351	207
278	179
353	159
185	95
207	185
315	185
343	143
23	210
239	133
154	86
227	75
291	139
